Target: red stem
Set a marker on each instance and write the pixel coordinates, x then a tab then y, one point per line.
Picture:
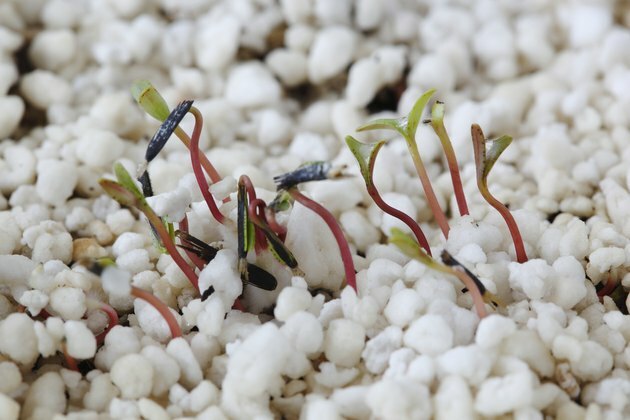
405	218
113	321
474	291
196	166
521	255
608	288
161	307
280	230
70	361
254	210
453	167
344	249
170	246
210	170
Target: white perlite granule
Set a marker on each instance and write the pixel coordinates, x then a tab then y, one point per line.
279	84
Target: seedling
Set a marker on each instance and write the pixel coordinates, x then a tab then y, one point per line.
127	193
153	104
437	122
407	127
97	267
366	157
478	292
485	158
317	171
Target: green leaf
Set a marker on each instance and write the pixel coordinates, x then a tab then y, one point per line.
150	99
125	179
119	193
497	146
412	249
397	124
365	155
486	157
415	115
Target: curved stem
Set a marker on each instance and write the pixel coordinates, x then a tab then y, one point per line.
608	288
279	229
480	306
170	246
196	165
207	166
405	218
438	213
453	167
113	320
161	307
70	361
344	249
519	247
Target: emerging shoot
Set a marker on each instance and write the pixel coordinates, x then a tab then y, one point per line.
366	157
485	158
127	193
407	127
410	248
437	122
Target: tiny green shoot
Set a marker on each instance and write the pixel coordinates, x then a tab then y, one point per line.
407	127
485	158
410	248
437	122
366	157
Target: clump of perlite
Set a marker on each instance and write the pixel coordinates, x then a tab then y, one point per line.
241	333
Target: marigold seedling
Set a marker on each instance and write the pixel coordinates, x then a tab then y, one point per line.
485	158
410	248
126	193
407	127
366	157
437	123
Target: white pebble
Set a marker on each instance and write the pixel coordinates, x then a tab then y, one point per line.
99	148
165	368
46	397
403	307
493	329
179	349
80	340
11	377
17	338
133	375
56	180
251	85
364	80
534	278
68	302
53	49
501	395
430	334
216	42
289	65
332	50
43	89
291	300
344	342
11	112
9	408
304	331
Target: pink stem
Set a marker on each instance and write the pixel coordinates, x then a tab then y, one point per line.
474	291
113	321
70	361
210	170
519	247
170	246
196	165
280	230
253	211
344	249
161	307
405	218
